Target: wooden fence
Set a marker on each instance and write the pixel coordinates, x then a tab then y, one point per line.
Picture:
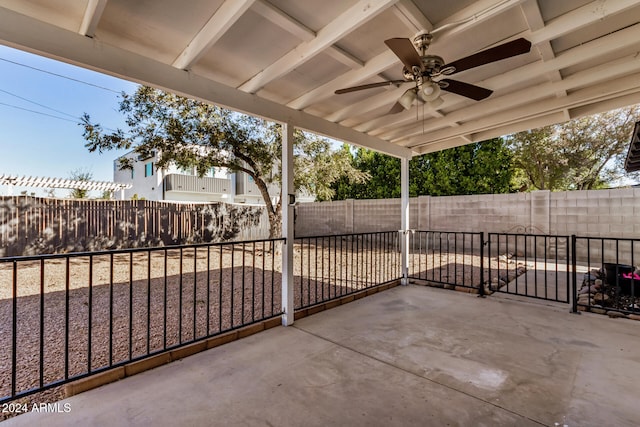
32	225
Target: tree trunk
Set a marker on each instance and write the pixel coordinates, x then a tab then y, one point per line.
274	212
275	225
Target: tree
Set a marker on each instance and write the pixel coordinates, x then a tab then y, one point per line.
480	168
80	174
191	133
582	154
384	181
539	162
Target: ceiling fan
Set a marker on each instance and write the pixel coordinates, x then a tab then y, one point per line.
426	71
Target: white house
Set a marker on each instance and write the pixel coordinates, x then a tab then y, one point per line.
178	184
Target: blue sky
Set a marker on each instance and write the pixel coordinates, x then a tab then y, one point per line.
39	145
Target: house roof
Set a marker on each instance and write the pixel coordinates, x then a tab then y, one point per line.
284	59
632	163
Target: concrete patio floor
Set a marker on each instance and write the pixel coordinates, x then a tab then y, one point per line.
407	356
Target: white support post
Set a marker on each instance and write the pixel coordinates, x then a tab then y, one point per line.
404	212
288	200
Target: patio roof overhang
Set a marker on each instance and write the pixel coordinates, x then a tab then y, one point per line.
283	59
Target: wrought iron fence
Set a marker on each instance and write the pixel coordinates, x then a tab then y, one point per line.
448	258
531	265
606	276
68	316
330	267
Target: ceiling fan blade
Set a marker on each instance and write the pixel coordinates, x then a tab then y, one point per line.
403	48
369	86
397	108
504	51
466	89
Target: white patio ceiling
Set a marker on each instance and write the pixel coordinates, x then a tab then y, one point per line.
283	59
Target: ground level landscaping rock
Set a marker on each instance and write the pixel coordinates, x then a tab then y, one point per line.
601	298
615	314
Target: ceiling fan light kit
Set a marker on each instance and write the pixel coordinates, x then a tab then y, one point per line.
407	98
426	72
436	103
430	91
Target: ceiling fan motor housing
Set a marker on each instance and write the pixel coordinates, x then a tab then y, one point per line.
422	42
432	66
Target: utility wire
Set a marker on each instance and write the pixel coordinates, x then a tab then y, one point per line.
59	75
37	103
40	112
75	119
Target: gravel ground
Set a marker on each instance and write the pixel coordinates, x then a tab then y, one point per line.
126	303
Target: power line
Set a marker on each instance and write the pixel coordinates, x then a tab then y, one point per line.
40	112
76	121
59	75
37	103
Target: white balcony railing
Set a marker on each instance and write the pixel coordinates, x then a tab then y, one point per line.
194	184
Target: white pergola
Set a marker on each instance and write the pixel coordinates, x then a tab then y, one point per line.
72	184
284	59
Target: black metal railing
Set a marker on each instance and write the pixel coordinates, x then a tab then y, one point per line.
68	316
531	265
448	258
606	276
330	267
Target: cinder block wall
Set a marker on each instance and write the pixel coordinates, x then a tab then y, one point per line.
594	213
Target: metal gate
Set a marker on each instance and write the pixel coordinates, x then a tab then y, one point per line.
530	265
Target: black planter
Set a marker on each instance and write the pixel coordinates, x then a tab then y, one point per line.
613	277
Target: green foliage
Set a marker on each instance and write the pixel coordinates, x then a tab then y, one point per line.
80	174
384	173
190	133
582	154
480	168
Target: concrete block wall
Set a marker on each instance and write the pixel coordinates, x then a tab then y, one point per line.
599	213
595	213
324	218
488	213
